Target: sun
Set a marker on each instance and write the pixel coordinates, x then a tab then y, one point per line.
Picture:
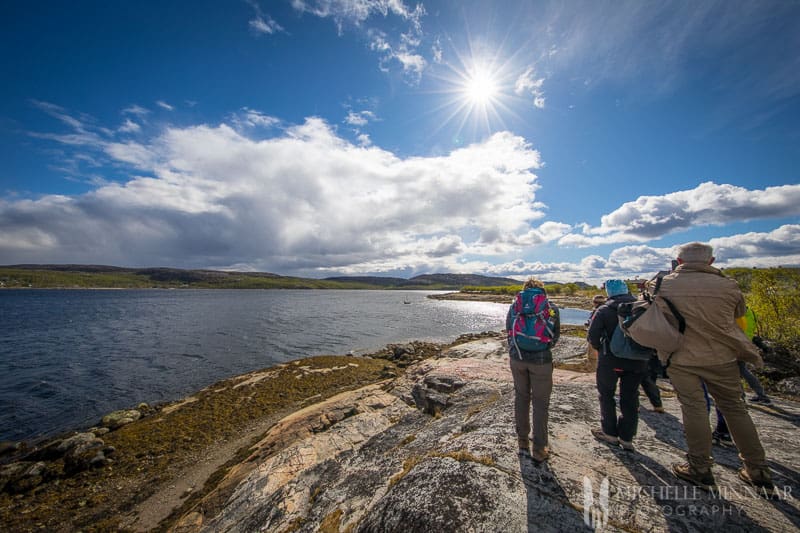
480	88
478	93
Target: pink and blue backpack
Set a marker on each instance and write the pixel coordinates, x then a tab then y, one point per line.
533	321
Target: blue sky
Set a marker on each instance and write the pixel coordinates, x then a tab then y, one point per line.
568	140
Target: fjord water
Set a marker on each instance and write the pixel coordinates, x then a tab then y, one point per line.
67	357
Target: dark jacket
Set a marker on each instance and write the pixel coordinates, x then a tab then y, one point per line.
602	328
542	356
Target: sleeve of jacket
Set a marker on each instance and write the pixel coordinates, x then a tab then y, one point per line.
597	328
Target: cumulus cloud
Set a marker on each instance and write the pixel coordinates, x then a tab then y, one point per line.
306	201
779	247
651	217
163	105
303	200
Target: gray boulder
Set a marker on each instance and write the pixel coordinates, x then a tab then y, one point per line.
117	419
84	451
21	476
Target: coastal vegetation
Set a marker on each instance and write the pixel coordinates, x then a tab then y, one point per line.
555	289
774	295
172	437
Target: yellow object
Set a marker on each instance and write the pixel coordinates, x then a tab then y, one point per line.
747	323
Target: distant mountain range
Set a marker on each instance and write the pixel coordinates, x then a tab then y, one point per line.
103	276
459	280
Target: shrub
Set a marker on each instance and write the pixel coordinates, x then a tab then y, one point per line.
775	298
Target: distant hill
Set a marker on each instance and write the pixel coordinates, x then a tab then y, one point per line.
104	276
369	280
429	281
460	280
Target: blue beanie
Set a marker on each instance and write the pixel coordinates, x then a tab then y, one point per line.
615	287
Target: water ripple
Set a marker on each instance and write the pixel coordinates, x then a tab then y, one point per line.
69	357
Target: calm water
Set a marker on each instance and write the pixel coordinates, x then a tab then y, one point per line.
69	357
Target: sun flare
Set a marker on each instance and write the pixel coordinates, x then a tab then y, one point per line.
479	93
480	88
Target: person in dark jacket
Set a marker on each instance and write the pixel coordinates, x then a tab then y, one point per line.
612	370
533	383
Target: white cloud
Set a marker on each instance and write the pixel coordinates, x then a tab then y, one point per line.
357	12
162	104
529	84
401	49
129	126
268	26
413	64
303	200
436	51
360	118
131	152
780	246
651	217
306	201
250	118
261	22
135	110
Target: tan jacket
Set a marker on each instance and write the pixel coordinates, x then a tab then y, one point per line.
710	304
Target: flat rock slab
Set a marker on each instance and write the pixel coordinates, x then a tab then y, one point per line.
370	460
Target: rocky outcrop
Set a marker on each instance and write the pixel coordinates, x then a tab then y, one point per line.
117	419
435	450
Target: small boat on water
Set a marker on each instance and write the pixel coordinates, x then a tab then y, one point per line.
406	301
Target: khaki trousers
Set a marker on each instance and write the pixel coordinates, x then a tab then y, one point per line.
724	385
533	383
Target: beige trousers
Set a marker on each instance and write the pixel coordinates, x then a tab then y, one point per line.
724	385
533	383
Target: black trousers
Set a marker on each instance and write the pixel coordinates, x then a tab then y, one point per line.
649	382
628	373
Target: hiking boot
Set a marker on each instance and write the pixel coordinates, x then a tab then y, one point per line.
761	399
760	478
700	478
659	409
524	445
721	439
627	445
540	455
603	437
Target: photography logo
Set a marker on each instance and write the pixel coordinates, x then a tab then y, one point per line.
595	511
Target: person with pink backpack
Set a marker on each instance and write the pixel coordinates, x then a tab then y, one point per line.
533	326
